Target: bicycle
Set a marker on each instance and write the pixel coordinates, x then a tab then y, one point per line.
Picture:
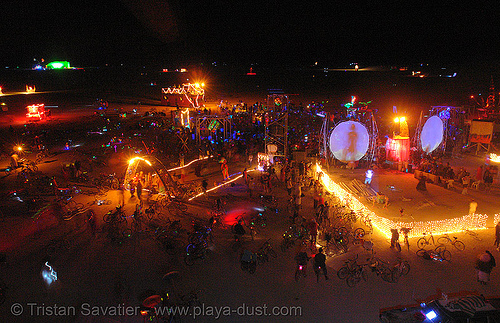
115	216
401	268
424	241
381	268
195	251
439	254
473	234
352	272
264	251
455	242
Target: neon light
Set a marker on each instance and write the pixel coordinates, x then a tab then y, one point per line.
58	65
437	227
195	160
49	276
187	89
223	184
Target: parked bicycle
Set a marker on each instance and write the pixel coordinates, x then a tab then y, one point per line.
194	252
380	268
352	272
401	268
472	234
459	245
439	254
425	240
264	251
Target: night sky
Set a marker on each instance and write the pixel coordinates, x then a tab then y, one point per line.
96	32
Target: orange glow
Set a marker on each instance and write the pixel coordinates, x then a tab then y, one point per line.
36	111
437	227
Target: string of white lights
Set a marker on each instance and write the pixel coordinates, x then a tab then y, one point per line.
469	222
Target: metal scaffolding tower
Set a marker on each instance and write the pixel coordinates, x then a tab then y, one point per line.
211	123
276	133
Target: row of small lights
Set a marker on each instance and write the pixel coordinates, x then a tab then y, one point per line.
418	228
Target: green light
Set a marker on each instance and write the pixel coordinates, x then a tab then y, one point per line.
58	65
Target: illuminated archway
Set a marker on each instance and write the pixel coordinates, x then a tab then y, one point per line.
141	168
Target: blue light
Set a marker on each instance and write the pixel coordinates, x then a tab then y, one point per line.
431	315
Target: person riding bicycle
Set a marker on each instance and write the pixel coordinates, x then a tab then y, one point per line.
319	262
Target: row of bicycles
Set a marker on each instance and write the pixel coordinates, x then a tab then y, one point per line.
353	272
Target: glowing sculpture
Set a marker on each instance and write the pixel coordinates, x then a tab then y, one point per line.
349	141
36	112
432	134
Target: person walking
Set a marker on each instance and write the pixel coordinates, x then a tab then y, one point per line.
138	189
497	235
320	263
395	239
472	207
488	179
484	265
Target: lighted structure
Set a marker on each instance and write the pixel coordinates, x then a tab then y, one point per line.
215	126
57	65
30	89
185	96
154	175
480	134
443	126
181	119
341	138
398	147
276	118
36	112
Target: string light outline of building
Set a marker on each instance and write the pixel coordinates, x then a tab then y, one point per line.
187	89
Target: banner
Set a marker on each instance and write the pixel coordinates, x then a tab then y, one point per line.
481	131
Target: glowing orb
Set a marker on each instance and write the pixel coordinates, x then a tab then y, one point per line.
432	134
349	141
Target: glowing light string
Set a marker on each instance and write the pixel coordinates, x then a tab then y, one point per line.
240	175
470	222
193	161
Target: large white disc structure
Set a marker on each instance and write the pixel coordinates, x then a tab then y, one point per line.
432	134
349	141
